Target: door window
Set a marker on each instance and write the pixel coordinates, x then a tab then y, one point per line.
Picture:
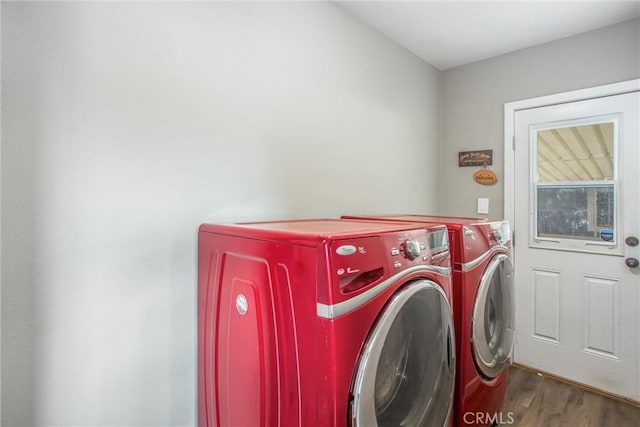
574	175
407	369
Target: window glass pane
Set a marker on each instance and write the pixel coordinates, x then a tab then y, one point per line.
576	212
578	153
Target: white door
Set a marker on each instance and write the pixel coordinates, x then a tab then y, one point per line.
577	200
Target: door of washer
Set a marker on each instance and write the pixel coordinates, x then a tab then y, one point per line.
406	372
492	319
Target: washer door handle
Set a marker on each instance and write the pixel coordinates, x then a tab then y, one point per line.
450	357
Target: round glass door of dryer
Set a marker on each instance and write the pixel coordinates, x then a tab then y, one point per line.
406	372
493	316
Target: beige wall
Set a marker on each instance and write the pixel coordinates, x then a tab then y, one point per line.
125	125
474	96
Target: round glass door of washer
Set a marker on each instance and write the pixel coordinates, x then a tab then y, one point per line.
406	372
493	316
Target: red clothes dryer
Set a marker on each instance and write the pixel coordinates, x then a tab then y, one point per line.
483	306
324	323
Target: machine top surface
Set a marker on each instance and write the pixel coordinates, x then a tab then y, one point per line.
309	230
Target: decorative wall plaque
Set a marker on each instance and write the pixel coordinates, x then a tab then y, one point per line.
475	158
485	177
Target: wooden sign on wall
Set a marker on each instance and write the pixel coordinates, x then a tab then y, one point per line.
485	177
475	158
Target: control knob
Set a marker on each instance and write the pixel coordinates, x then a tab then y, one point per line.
412	249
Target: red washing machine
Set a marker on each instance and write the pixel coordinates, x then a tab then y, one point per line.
483	306
324	323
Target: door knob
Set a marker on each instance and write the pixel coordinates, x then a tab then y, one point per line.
631	241
632	262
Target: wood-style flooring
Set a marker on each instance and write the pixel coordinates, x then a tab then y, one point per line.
539	400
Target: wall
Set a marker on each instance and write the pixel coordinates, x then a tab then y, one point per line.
125	126
474	96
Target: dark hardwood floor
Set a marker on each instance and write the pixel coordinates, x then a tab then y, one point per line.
539	400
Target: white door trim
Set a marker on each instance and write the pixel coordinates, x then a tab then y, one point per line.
510	109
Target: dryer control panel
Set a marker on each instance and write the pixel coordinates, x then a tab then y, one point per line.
481	237
362	262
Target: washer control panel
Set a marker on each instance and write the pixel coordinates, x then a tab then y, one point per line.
499	233
426	247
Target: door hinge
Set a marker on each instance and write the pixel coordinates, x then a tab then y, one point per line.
513	143
513	238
